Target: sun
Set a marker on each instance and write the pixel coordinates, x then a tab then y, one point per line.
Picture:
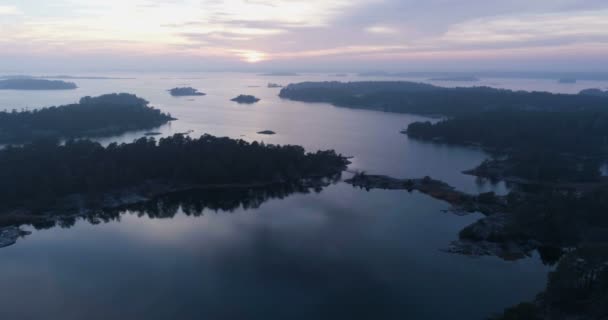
253	56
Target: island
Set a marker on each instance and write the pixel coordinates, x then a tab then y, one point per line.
280	74
44	182
267	132
274	85
594	92
566	80
245	99
105	115
456	78
427	99
185	92
26	83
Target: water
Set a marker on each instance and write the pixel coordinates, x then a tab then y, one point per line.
339	253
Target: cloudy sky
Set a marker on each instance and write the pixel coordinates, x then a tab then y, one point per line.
355	35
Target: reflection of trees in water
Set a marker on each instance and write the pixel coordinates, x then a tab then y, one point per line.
196	202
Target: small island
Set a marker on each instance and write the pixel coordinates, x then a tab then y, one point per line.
185	92
245	99
267	132
105	115
25	83
274	85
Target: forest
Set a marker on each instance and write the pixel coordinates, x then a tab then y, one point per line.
41	172
420	98
539	145
93	116
35	84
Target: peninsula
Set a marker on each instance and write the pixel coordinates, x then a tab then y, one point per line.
93	116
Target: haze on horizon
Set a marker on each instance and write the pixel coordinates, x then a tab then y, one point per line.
349	35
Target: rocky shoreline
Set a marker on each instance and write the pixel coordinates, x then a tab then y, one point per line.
9	235
489	236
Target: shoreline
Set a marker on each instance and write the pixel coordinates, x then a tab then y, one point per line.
489	236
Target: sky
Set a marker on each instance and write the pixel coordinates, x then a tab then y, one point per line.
300	35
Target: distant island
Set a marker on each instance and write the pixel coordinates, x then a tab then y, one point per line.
594	92
421	98
456	78
280	74
50	180
35	84
267	132
274	85
63	77
245	99
566	80
185	92
93	116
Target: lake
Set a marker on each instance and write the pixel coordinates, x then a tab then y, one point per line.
341	253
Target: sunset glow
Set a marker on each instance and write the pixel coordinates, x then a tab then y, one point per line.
232	32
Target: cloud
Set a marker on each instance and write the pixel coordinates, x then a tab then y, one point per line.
9	10
379	29
303	30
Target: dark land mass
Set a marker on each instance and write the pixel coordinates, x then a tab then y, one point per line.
185	92
594	92
551	75
566	80
35	84
44	181
420	98
245	99
268	132
544	146
93	116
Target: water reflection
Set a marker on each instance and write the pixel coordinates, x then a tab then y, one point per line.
197	201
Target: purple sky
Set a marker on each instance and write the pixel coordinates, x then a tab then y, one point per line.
301	35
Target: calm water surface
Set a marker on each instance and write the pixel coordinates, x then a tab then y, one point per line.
247	254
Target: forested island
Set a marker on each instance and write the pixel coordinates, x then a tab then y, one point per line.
594	92
35	84
45	181
245	99
426	99
92	116
185	92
